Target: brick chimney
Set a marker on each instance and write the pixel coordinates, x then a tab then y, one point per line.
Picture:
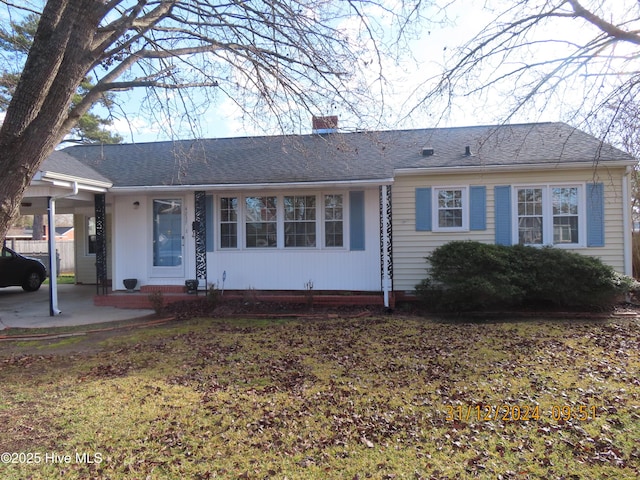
324	125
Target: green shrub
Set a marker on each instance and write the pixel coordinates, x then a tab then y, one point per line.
467	275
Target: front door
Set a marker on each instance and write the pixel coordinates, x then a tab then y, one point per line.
168	238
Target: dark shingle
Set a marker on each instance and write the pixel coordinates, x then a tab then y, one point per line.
339	156
61	162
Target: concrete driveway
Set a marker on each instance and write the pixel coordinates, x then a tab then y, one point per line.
20	309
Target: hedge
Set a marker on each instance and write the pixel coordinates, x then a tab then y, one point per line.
467	275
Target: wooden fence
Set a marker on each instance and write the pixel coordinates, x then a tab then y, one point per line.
39	249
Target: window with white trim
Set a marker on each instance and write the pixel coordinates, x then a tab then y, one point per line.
300	221
450	209
261	222
281	221
549	215
228	222
530	225
333	220
566	218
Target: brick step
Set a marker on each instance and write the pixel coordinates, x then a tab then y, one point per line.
163	288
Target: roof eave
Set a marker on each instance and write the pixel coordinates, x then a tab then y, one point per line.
90	183
254	186
513	168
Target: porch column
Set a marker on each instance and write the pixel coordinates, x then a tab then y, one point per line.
53	267
386	246
101	242
200	233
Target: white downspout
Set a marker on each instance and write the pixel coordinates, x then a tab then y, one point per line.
626	222
53	267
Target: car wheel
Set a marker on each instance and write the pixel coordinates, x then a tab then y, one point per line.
32	282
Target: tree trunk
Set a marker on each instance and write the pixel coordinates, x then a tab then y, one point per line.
58	61
38	224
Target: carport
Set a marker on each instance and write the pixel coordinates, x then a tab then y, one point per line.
64	185
19	309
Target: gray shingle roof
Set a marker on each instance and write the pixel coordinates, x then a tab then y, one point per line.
61	162
339	156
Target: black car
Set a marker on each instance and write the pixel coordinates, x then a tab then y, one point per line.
18	270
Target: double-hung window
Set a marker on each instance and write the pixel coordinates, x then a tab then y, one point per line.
530	216
451	209
333	220
549	215
261	222
229	222
566	218
300	221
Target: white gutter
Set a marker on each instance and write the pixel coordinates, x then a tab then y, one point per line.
252	186
70	179
509	168
626	222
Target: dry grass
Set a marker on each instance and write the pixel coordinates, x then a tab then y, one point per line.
368	398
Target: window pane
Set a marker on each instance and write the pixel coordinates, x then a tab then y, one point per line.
229	209
333	213
228	235
565	229
167	233
530	201
261	222
450	208
530	230
450	199
228	222
565	201
450	218
300	221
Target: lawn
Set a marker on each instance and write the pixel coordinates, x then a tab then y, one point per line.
385	398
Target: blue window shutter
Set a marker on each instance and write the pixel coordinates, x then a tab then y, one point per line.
502	199
209	219
423	209
478	208
356	220
595	215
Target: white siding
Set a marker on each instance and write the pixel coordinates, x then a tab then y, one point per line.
410	247
261	269
290	269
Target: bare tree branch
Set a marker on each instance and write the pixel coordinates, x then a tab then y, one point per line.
285	58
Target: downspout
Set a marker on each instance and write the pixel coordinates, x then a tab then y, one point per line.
53	267
626	222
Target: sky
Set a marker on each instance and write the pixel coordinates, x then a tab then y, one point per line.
403	89
225	119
